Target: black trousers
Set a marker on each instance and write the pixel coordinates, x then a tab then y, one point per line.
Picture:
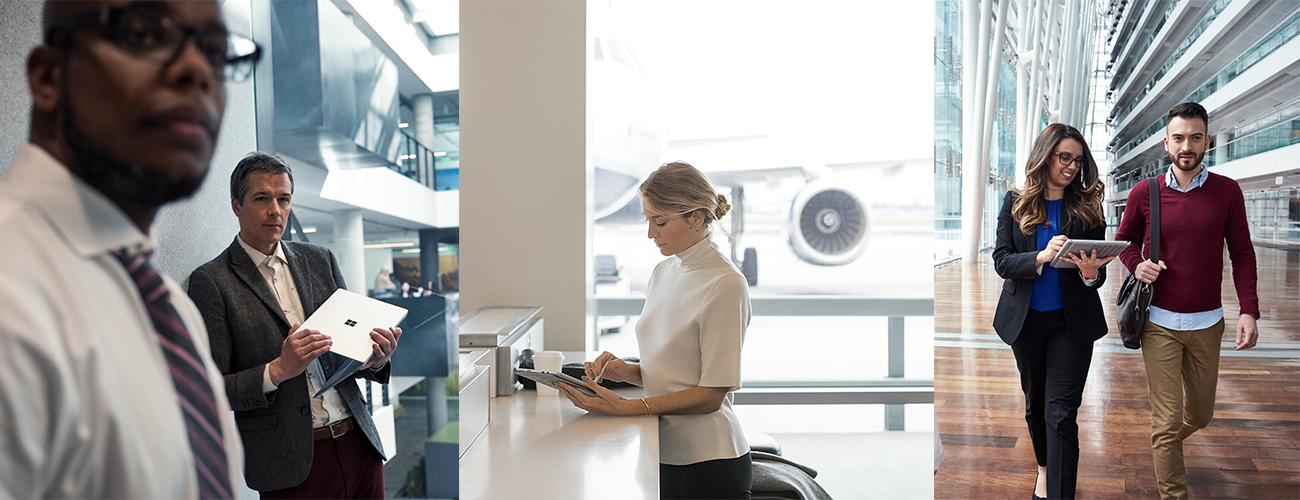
1052	373
712	480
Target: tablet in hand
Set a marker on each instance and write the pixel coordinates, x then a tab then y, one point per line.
1104	248
551	379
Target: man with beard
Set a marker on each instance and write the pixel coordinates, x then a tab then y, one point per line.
1199	210
107	388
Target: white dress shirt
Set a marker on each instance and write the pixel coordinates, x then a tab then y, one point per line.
87	405
690	334
328	408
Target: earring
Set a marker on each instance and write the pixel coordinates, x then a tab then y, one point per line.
697	229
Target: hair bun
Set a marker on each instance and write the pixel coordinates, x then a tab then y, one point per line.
723	207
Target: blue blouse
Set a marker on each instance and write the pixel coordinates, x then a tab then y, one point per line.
1047	292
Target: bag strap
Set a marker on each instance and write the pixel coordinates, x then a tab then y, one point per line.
1154	186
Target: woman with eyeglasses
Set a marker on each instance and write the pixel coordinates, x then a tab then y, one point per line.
1050	317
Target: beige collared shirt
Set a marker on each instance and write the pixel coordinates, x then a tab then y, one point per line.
87	405
328	408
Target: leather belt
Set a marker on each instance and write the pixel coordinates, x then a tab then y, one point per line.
333	431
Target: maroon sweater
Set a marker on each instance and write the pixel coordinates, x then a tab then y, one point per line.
1193	228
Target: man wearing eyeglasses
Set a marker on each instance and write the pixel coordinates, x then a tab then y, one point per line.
107	387
1199	212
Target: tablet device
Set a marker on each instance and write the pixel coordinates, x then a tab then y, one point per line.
553	378
1104	249
348	318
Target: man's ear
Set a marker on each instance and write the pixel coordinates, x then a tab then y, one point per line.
44	78
234	206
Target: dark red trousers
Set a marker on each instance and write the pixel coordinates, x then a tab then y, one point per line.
347	467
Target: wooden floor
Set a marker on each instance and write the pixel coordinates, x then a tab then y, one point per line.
1250	450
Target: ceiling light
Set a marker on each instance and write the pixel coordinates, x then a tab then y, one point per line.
411	250
403	125
439	154
390	245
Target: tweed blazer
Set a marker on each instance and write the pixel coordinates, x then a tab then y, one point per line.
247	328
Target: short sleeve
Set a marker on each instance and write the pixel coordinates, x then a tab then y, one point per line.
723	318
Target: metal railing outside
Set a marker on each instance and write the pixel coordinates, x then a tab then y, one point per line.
893	391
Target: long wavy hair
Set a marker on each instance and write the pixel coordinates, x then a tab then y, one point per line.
1083	197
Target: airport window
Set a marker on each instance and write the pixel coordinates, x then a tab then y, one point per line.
832	246
616	50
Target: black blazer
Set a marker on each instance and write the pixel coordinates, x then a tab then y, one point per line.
246	328
1013	259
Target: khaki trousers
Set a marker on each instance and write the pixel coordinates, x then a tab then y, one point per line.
1178	362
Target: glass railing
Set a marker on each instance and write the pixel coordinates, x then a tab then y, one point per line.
1196	33
1284	33
1278	37
1134	10
1146	42
1274	215
419	164
1278	136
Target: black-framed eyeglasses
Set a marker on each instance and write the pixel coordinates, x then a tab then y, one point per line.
1067	158
154	36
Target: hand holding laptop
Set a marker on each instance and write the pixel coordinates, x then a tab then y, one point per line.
385	342
299	348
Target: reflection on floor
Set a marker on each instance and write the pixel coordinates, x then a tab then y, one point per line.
411	430
1250	450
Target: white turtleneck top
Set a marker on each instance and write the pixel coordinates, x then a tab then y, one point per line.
690	334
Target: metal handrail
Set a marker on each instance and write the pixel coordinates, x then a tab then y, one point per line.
893	392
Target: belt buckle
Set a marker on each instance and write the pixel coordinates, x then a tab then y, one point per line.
331	427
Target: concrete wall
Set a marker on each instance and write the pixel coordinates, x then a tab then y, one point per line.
525	199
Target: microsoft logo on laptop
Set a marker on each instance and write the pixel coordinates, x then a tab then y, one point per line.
350	322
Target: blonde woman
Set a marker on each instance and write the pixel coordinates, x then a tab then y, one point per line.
690	335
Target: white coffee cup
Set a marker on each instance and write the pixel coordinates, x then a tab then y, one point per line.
551	361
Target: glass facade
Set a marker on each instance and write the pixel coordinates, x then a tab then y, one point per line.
1284	33
1144	45
1200	28
947	126
948	168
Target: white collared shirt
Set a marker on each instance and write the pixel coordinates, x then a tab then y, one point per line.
1176	320
329	407
87	405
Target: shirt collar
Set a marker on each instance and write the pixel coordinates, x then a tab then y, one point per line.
260	258
1172	182
81	215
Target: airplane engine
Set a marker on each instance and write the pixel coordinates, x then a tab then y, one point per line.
828	225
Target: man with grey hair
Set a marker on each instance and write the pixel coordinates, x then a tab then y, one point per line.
253	298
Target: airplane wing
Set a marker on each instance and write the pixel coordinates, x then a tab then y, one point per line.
810	172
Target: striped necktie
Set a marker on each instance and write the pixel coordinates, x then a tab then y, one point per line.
193	389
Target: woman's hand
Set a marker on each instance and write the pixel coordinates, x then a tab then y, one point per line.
605	401
609	367
1053	247
1088	264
